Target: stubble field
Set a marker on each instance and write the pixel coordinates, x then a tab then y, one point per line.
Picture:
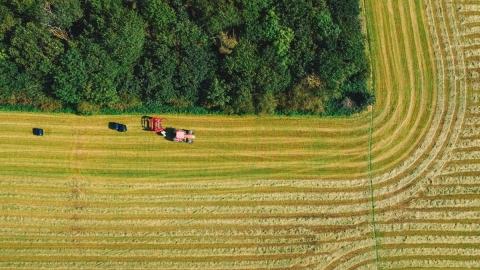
396	187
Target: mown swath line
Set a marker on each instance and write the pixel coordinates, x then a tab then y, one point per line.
103	205
348	256
430	267
64	228
428	257
189	216
428	233
220	241
199	258
431	221
25	247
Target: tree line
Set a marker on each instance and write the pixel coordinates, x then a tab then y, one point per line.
233	56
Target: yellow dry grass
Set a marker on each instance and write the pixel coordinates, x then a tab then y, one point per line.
268	192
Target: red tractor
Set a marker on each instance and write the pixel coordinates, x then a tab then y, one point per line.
177	135
182	135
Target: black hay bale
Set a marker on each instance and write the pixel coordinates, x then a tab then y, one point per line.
113	125
122	128
37	131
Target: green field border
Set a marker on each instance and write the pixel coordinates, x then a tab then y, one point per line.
370	135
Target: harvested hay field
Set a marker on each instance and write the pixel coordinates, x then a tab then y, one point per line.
396	187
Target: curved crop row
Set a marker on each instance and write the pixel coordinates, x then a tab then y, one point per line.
430	223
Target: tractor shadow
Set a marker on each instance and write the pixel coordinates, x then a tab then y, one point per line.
169	134
145	122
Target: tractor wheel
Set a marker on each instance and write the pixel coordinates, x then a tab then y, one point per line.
190	132
189	141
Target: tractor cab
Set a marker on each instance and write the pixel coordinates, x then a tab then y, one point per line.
182	135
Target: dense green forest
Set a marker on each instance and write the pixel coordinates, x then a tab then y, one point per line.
232	56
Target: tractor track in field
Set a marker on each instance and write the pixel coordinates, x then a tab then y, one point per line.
76	183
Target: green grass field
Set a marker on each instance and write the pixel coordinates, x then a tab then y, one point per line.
396	187
228	148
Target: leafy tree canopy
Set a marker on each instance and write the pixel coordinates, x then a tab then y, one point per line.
235	56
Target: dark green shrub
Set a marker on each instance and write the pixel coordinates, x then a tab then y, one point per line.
87	108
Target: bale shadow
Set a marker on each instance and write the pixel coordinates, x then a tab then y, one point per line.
145	121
